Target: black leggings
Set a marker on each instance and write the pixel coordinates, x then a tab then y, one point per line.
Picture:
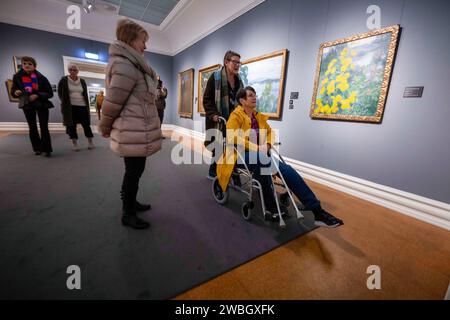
42	143
134	167
80	114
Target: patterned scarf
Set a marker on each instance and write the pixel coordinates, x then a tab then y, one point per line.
222	97
30	82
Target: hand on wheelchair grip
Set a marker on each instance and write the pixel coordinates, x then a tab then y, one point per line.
265	149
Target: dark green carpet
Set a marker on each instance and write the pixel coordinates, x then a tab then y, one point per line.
66	211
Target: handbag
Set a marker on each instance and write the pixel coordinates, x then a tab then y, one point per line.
23	100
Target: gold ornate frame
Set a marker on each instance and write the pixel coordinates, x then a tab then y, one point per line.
386	79
9	84
200	107
191	100
15	58
283	53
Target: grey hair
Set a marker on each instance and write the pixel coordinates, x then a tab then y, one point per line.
72	65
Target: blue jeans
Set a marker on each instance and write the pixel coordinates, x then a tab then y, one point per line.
260	166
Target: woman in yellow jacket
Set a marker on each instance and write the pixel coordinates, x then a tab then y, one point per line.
249	130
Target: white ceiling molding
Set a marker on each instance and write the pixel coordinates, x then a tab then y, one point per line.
175	13
189	22
203	17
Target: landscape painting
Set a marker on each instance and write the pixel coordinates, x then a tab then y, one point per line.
266	75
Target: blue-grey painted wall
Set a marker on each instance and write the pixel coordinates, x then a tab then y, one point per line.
410	150
48	48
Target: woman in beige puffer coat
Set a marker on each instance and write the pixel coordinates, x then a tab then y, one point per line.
129	115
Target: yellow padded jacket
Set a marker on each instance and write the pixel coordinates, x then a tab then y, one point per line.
238	132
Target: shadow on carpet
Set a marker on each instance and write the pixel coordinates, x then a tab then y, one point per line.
65	210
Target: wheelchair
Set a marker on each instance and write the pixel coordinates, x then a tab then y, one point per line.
249	184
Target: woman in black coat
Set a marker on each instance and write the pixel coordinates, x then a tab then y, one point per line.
72	91
34	92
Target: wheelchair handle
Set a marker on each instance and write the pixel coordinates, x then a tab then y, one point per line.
271	150
223	120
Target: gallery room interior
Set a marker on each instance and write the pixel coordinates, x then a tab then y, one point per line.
110	186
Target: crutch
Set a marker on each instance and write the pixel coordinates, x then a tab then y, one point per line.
299	214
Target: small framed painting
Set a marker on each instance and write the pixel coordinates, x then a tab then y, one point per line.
8	88
92	96
186	93
203	76
17	63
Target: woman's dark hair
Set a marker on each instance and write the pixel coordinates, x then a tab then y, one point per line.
242	93
230	54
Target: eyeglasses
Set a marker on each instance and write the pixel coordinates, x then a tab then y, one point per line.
237	63
73	69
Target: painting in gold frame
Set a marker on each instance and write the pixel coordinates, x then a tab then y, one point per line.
353	75
203	76
17	63
9	84
266	75
186	93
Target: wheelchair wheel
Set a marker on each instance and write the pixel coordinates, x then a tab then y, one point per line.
220	196
247	210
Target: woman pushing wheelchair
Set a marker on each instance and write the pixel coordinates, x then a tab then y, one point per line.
250	132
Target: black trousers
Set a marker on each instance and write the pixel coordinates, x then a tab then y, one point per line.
161	115
80	114
134	167
42	143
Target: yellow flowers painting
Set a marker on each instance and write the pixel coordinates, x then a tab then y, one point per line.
351	75
335	85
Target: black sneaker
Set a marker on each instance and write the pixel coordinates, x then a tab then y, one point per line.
47	154
37	153
325	219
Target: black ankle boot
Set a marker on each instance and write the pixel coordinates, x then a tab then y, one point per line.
142	206
129	217
134	222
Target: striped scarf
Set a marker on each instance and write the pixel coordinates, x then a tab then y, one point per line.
222	98
30	83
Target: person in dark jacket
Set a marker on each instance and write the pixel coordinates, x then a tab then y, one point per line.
226	82
160	101
72	91
34	92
